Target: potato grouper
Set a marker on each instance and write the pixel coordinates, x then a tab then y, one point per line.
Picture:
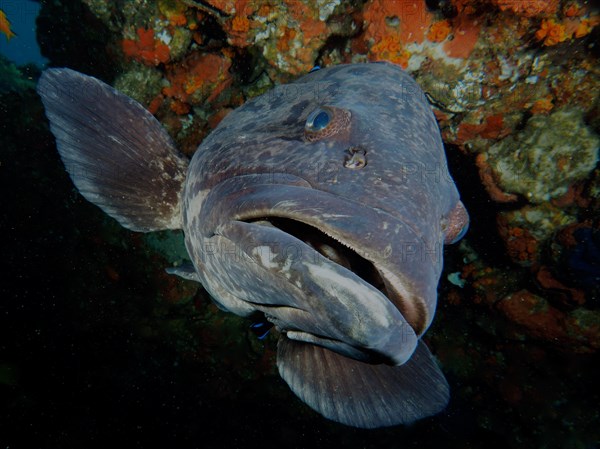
323	204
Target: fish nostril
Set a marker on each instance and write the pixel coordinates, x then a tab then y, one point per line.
356	158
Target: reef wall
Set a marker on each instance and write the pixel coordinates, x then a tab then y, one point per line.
515	88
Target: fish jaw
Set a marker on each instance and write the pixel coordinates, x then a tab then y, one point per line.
244	234
315	299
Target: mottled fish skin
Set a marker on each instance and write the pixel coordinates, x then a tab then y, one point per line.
258	163
324	204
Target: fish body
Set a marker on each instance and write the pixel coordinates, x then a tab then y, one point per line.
5	27
323	205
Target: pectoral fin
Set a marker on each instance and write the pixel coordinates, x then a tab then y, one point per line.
359	394
185	271
118	155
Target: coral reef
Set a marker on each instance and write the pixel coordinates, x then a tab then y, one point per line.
146	48
529	8
288	35
198	79
141	82
515	88
547	156
513	84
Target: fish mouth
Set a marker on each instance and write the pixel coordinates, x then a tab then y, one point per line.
329	247
361	243
357	261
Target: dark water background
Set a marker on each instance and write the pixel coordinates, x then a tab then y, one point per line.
92	353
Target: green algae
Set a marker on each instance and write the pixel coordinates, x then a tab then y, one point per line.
180	42
540	220
12	79
140	82
547	156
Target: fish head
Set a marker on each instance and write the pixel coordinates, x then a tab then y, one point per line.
325	204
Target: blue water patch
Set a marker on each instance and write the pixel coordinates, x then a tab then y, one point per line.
23	48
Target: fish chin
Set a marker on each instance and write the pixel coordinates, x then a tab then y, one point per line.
358	261
332	296
322	263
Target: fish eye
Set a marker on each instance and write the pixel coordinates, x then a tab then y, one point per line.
326	121
318	120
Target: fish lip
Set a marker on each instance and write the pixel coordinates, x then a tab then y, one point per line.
394	288
340	308
363	354
261	195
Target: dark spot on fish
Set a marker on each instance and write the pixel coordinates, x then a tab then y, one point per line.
330	92
252	106
360	70
249	127
300	107
296	112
